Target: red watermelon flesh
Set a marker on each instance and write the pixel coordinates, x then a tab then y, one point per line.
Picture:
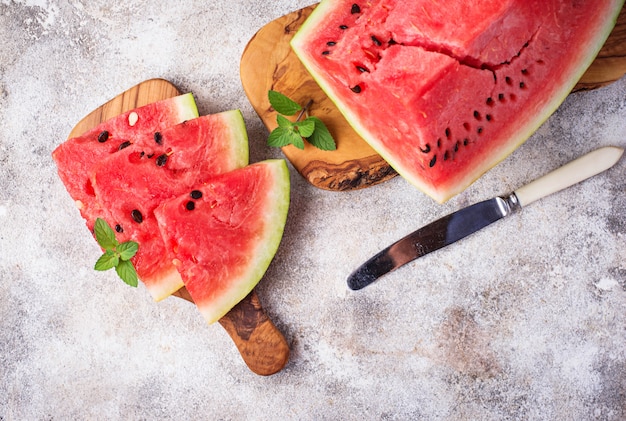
224	233
76	157
129	185
444	91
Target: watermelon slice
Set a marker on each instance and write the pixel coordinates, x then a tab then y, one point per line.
76	157
445	90
129	185
224	233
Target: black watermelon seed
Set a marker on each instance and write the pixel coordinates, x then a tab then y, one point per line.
196	194
158	138
476	115
490	101
376	41
456	146
362	69
331	43
149	156
439	143
465	142
501	97
325	53
448	132
446	156
392	42
356	89
522	85
426	148
161	160
508	80
103	136
355	9
433	161
119	228
190	205
480	130
124	145
524	71
488	117
137	216
343	26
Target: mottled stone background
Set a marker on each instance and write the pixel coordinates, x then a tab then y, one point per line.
525	320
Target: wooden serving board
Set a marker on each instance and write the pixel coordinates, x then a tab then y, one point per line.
261	345
269	63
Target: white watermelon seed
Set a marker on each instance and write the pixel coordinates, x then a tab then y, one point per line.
132	118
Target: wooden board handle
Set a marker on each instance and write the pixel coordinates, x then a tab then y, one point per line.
261	345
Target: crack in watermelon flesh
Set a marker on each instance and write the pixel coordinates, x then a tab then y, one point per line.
444	91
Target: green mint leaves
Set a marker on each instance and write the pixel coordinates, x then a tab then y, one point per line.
115	255
291	133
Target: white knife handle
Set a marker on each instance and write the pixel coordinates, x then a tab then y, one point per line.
574	172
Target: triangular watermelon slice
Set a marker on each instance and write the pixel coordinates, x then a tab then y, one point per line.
224	233
129	185
76	157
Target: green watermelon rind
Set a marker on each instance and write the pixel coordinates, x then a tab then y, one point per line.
186	105
266	248
240	151
585	55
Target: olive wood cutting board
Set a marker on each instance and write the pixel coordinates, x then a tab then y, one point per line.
261	345
269	63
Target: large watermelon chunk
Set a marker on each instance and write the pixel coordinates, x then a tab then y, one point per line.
445	90
76	157
224	233
129	185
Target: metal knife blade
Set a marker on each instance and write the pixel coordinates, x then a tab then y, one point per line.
460	224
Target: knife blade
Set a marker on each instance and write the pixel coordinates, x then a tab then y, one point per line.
466	221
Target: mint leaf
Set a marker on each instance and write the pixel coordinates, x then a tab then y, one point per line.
107	261
115	255
126	271
282	104
297	141
282	136
279	137
292	133
127	250
305	127
104	234
321	137
284	122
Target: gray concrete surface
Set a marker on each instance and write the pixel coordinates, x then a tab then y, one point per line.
525	320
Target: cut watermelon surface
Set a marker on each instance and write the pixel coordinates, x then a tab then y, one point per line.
225	232
445	90
76	157
129	185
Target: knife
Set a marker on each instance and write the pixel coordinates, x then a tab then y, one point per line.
466	221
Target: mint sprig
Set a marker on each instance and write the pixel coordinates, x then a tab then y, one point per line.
116	255
292	133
